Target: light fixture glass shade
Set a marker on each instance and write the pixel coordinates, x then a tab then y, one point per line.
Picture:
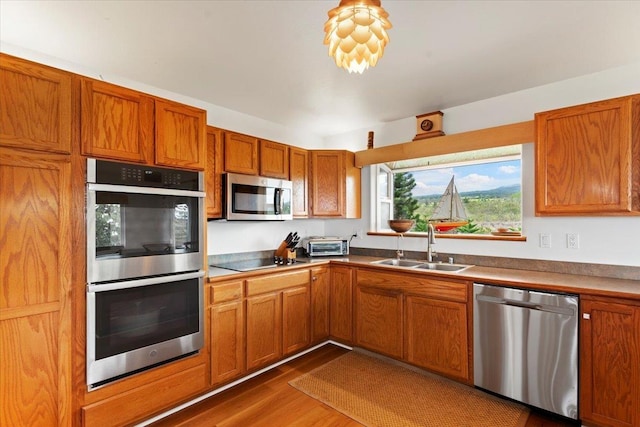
356	33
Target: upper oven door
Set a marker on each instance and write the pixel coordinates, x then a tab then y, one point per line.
136	232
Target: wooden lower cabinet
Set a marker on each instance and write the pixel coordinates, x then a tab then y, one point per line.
437	336
341	296
295	319
610	362
227	341
378	319
320	289
264	329
277	316
419	319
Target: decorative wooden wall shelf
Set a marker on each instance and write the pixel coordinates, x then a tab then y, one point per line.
516	133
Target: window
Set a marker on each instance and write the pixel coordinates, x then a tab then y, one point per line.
473	193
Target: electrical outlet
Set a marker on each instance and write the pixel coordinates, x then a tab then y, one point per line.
545	240
360	234
573	241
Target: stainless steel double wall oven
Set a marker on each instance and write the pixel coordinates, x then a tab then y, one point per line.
145	260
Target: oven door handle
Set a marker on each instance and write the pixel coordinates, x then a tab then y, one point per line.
112	188
102	287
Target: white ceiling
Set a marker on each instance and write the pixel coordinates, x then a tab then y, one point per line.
267	58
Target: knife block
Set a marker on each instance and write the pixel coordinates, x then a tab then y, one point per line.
284	252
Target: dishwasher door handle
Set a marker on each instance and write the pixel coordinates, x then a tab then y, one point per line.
528	305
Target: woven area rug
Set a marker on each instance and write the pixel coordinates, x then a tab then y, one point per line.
379	393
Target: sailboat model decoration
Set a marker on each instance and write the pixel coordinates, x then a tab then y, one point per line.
449	212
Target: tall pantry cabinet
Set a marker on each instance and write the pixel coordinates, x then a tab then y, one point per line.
35	230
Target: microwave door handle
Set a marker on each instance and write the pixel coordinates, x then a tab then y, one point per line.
277	201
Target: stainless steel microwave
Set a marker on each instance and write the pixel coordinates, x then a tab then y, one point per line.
256	198
326	246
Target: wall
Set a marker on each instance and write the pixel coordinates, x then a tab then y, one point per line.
602	240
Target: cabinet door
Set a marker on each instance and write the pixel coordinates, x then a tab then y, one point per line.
328	183
378	317
35	291
295	319
588	158
610	363
341	323
35	106
240	153
227	341
117	123
264	329
180	135
274	159
299	176
437	336
320	288
213	173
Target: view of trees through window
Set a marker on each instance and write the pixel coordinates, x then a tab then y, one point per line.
490	194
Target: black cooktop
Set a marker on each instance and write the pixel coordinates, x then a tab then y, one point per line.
254	264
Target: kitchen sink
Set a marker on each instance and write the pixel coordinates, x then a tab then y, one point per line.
442	267
398	262
434	266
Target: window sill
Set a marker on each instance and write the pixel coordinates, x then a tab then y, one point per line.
452	236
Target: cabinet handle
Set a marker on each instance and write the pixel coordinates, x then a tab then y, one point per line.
314	278
586	316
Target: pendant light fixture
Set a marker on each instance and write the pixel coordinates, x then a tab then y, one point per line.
356	33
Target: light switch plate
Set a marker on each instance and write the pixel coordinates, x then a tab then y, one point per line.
545	240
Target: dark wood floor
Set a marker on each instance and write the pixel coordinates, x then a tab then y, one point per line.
268	400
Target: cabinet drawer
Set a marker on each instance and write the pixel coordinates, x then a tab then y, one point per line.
276	282
226	292
415	284
124	409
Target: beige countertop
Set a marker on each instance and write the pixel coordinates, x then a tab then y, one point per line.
559	282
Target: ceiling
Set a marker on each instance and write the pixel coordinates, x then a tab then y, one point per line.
267	58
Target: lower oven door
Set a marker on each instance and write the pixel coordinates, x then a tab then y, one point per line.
137	324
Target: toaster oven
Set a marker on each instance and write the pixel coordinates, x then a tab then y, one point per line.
325	246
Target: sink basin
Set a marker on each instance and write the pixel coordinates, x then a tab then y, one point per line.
398	262
434	266
442	267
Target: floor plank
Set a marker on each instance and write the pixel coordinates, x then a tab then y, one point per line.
267	400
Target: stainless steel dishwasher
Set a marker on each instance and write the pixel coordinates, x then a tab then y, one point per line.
525	346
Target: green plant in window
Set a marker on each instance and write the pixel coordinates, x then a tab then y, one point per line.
404	204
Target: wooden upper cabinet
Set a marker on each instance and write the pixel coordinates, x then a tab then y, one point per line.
588	159
35	106
180	135
274	159
335	184
124	124
213	173
117	123
299	176
240	153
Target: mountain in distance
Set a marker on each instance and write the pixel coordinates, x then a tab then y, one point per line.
498	192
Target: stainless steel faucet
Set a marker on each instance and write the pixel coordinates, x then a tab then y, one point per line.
399	252
431	240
